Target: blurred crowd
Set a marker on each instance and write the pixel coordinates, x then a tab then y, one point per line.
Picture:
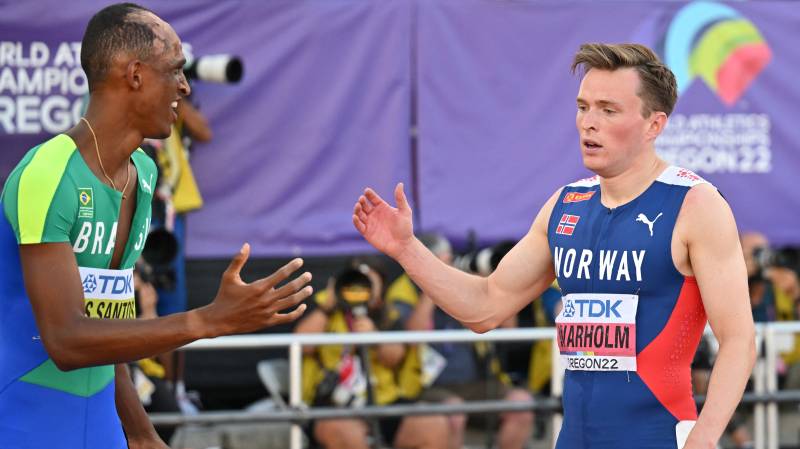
361	298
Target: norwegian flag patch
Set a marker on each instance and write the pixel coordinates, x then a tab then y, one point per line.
566	226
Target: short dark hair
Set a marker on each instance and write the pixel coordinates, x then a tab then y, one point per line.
114	29
658	92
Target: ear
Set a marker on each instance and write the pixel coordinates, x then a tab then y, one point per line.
134	75
656	124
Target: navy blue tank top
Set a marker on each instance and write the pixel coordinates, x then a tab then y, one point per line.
630	322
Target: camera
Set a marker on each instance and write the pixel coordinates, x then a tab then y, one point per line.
221	68
155	265
766	257
484	261
353	289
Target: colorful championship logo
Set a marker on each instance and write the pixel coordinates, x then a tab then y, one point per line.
716	43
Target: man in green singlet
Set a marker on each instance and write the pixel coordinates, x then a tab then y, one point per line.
76	212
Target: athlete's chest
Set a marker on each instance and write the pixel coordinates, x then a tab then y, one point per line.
617	250
109	231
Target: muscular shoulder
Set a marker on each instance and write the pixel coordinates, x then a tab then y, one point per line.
704	205
705	226
36	186
543	218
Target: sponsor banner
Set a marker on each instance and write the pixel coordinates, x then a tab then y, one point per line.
507	105
325	108
321	112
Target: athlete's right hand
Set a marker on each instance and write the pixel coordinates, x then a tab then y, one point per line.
386	228
241	307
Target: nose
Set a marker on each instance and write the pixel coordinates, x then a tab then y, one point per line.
183	85
587	121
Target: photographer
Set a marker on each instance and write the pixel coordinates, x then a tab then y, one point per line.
176	194
773	274
334	375
762	295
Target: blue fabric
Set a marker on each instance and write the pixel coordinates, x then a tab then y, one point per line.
33	416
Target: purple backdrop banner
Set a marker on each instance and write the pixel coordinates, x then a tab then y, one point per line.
497	105
324	108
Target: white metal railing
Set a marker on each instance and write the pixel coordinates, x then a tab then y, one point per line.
295	342
765	376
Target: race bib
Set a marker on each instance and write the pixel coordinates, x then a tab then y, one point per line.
597	332
108	293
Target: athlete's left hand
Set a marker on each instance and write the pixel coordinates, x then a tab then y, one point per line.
148	443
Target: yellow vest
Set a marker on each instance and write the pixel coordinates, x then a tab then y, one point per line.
384	379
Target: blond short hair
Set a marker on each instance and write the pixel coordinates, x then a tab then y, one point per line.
659	90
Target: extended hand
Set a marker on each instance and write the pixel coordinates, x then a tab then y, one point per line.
387	228
241	307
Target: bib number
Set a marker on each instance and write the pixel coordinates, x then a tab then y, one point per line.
597	332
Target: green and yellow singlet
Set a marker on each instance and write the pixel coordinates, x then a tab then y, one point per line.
53	197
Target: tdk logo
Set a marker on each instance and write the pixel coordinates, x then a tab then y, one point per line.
89	284
596	308
109	285
569	309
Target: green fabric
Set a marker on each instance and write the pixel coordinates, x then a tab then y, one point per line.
53	196
83	382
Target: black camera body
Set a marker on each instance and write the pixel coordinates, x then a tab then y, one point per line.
484	261
766	257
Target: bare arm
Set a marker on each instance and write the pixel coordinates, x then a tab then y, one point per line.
479	303
194	121
138	428
74	340
421	318
716	261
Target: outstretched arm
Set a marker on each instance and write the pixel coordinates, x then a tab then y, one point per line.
74	340
480	303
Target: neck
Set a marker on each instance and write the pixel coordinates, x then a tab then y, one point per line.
116	139
622	188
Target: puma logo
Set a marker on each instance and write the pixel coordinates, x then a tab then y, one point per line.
146	186
643	218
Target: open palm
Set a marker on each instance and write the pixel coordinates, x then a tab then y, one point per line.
387	228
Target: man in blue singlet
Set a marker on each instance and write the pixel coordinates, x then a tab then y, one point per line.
644	253
76	212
